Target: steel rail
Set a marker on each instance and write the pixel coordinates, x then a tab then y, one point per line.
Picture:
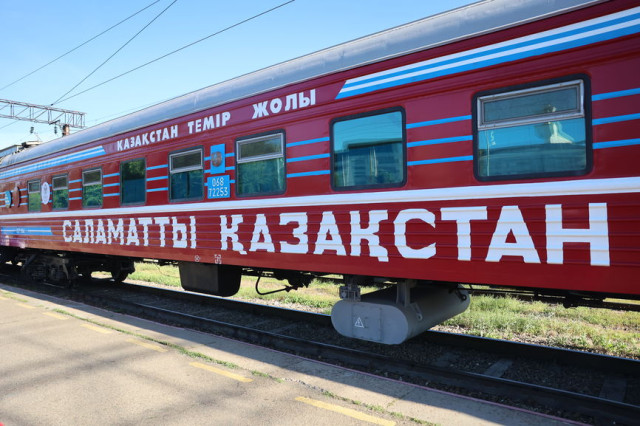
601	409
534	295
505	347
597	408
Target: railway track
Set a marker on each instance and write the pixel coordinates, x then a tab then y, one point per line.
567	301
575	385
533	295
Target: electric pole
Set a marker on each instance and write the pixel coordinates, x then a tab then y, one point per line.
41	114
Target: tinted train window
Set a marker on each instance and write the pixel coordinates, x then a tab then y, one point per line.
532	132
133	185
60	193
35	199
260	165
92	188
368	150
186	181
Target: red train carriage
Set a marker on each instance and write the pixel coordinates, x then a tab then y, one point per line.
495	144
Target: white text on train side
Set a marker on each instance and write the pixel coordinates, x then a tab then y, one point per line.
373	233
511	236
132	231
291	102
208	123
148	138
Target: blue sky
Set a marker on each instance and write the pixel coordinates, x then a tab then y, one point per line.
36	32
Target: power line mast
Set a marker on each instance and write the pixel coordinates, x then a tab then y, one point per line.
41	114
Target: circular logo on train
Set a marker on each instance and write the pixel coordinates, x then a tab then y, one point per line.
45	193
7	198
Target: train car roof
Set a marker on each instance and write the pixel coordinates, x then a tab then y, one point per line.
458	24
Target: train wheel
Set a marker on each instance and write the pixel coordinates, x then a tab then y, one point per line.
121	270
7	254
119	276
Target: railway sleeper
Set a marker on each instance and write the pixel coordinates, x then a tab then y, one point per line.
395	314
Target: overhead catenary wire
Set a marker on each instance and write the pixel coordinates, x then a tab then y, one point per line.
176	51
78	46
8	124
116	52
170	53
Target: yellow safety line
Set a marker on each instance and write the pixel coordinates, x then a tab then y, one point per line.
147	345
24	305
346	411
56	315
221	372
96	328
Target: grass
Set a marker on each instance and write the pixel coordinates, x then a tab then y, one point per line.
605	331
319	296
598	330
154	273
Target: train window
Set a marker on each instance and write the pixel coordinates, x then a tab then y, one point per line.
369	150
92	188
186	175
260	167
35	199
532	132
133	185
60	192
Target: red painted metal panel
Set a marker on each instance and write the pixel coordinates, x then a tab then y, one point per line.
514	239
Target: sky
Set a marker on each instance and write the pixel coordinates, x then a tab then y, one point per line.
38	31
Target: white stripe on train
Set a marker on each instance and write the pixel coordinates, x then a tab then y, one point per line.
480	192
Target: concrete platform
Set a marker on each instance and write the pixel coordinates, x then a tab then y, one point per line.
67	363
